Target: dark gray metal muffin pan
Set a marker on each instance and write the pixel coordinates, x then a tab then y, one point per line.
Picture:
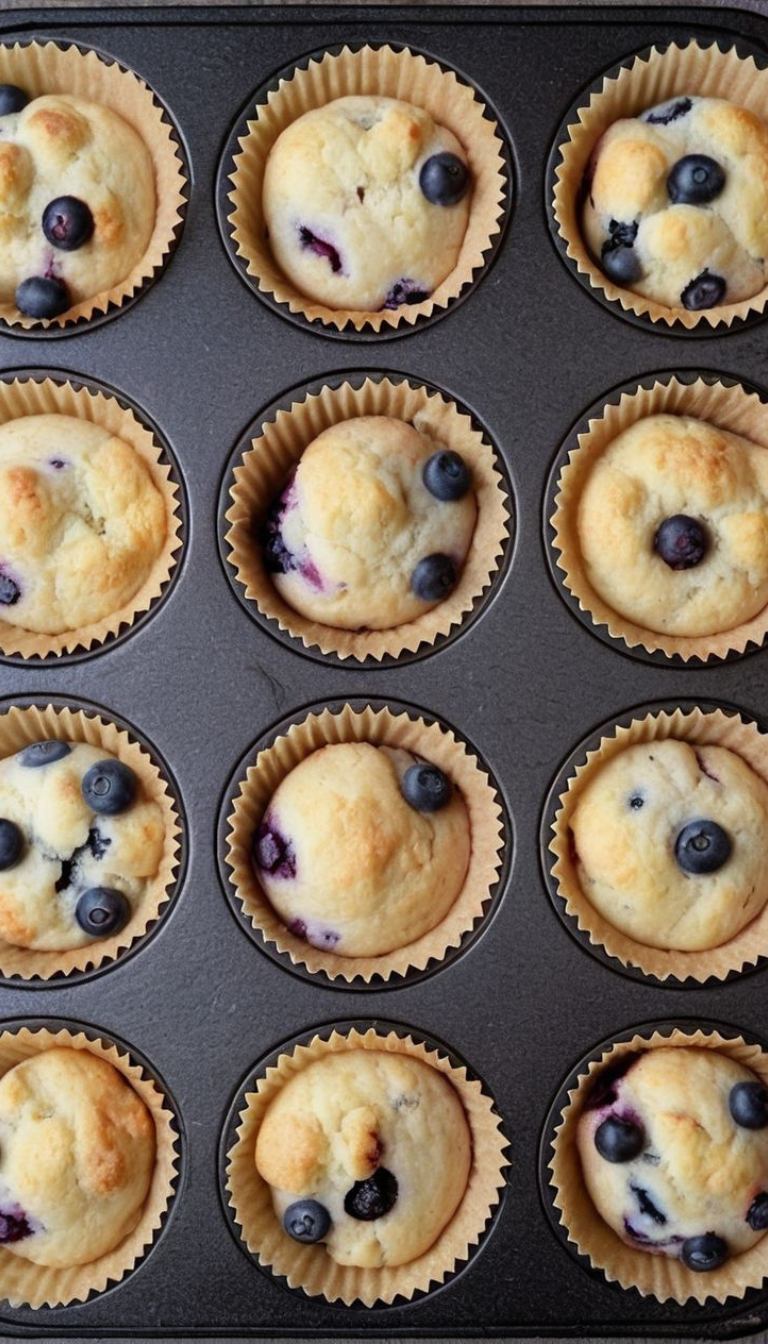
529	350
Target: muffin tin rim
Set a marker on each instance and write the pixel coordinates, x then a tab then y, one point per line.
236	1105
499	892
570	444
225	167
92	709
83	324
558	785
299	393
182	512
702	330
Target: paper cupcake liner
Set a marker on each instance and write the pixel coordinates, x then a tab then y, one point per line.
436	744
652	1275
262	474
38	722
49	68
383	72
311	1268
28	395
699	728
734	409
24	1284
642	83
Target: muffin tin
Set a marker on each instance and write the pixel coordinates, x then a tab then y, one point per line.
528	351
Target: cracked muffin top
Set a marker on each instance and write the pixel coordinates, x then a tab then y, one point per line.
671	842
674	1150
363	848
373	526
83	523
77	200
676	203
368	1152
79	844
366	202
76	1160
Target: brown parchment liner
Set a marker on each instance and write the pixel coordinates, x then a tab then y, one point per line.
25	396
647	81
652	1275
262	474
36	723
23	1283
729	408
434	743
386	73
713	728
311	1267
46	68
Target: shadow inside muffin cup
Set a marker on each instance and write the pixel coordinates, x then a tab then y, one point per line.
739	74
309	1269
270	448
570	1211
26	1284
724	401
28	719
268	762
32	392
698	723
50	67
314	80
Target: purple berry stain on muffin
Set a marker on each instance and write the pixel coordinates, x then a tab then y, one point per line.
10	592
58	463
321	247
14	1225
666	112
273	853
405	291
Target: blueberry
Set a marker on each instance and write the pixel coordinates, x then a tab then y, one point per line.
405	291
706	291
11	844
619	1140
307	1220
67	223
704	1253
447	476
10	591
273	853
434	577
695	180
101	911
758	1213
109	787
42	296
702	847
12	99
372	1198
444	179
748	1104
43	753
636	802
13	1226
621	264
682	542
666	112
425	788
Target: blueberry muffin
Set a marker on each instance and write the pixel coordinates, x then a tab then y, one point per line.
676	203
366	202
77	201
363	849
671	843
368	1152
373	527
76	1160
672	526
83	523
79	844
674	1150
